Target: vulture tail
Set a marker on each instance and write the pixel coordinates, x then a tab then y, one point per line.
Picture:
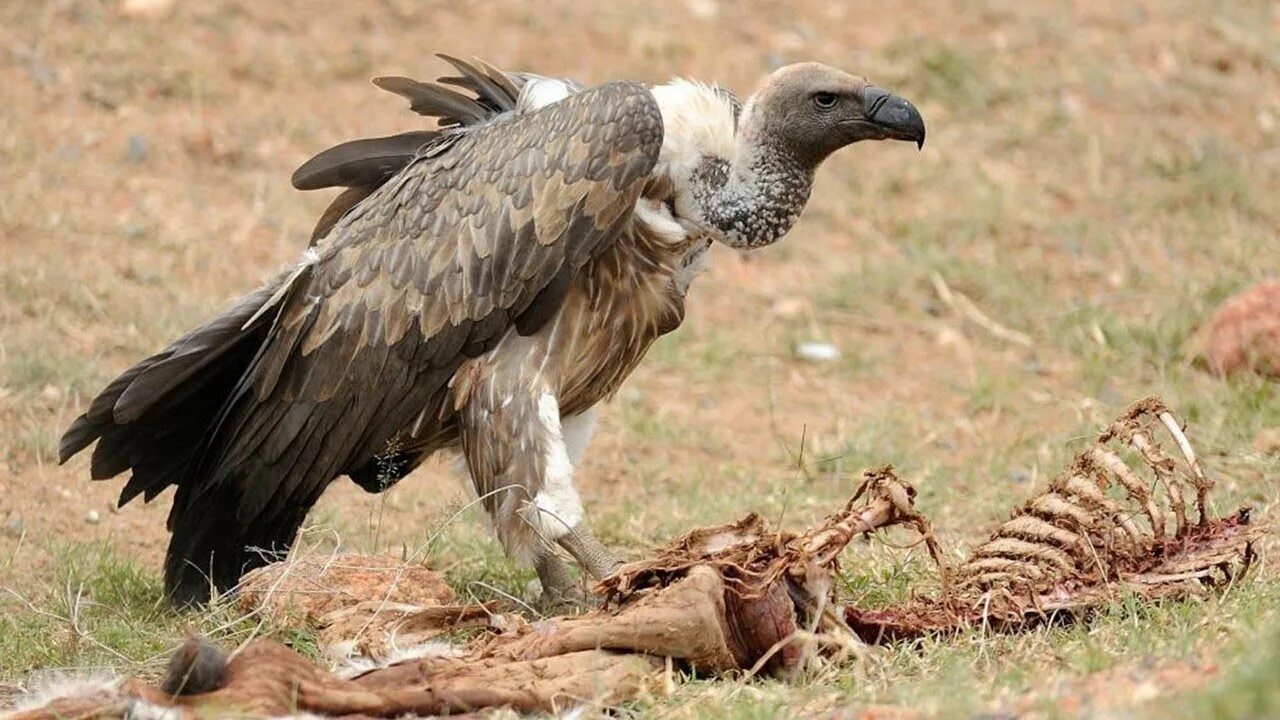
157	418
210	550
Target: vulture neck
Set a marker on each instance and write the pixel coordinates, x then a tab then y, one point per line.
755	197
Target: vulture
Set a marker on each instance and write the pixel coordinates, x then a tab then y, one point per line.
481	287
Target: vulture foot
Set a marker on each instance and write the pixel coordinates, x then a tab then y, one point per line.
592	556
561	592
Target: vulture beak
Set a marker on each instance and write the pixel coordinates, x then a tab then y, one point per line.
894	117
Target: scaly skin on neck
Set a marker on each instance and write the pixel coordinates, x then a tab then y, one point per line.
754	200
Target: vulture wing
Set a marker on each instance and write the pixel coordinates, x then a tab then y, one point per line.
363	165
433	267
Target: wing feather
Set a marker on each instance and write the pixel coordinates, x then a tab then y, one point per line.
360	163
451	107
434	266
488	88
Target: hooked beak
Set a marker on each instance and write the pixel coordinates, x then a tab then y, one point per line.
895	118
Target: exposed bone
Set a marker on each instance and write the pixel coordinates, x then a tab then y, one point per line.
1202	483
1024	574
1021	549
1163	469
1112	463
739	597
1051	505
1035	529
1091	494
685	621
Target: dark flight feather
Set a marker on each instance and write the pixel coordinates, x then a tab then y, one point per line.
364	165
340	206
255	413
434	101
361	162
502	80
481	84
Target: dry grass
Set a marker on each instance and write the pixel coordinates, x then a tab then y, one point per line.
1098	175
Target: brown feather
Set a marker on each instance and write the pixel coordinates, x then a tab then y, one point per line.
361	387
339	207
501	79
361	163
434	101
481	84
431	267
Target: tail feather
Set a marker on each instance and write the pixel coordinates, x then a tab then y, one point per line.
210	550
157	420
154	418
88	426
204	551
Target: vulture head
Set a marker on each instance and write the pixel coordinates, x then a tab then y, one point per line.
749	190
811	110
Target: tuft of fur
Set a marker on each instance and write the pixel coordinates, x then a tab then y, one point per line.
697	120
348	666
44	688
539	92
197	667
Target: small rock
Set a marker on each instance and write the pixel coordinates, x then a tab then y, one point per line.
145	8
1268	441
93	517
705	9
1019	475
63	492
815	351
950	337
1070	104
1266	121
14	525
51	393
1244	334
135	149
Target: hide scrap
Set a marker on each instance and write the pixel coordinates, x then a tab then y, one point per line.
1128	517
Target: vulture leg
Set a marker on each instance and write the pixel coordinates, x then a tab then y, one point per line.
518	454
592	556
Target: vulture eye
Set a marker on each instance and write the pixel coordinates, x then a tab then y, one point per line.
824	100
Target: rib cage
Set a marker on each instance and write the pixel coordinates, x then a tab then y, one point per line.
1101	513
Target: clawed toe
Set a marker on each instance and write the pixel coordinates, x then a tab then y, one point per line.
564	601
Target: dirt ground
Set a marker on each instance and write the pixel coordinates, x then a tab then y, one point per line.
1098	175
